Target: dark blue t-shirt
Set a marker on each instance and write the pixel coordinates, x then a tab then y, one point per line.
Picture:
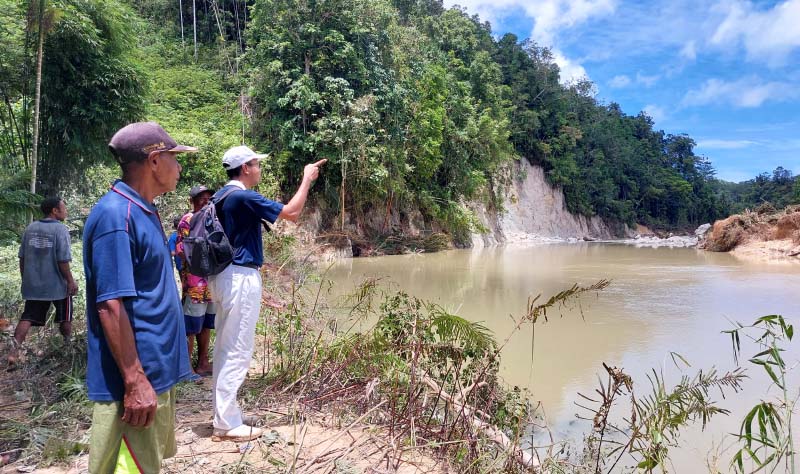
125	256
240	216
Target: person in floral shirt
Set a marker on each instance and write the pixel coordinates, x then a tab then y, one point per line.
199	311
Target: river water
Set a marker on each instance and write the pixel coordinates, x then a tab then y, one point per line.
661	300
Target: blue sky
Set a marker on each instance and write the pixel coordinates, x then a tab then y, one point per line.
725	72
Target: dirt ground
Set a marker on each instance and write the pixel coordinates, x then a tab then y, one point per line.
297	438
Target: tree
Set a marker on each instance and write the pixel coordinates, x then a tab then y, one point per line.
44	20
91	87
194	26
14	64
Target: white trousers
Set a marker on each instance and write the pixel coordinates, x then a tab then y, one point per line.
237	293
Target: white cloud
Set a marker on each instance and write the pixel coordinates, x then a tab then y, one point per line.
620	81
769	35
655	112
550	18
689	50
488	10
748	92
645	80
718	144
570	71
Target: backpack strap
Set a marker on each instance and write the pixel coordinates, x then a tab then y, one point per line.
218	201
226	194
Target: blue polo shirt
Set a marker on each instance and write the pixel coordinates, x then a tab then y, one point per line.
126	256
241	215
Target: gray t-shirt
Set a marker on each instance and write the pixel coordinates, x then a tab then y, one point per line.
45	243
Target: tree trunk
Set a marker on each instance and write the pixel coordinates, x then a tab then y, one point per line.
238	26
180	8
308	73
194	22
344	177
37	97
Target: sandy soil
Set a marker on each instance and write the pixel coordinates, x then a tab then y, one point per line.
782	251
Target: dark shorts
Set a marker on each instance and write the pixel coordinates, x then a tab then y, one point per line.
36	311
195	324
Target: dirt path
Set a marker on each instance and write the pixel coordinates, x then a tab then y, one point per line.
297	438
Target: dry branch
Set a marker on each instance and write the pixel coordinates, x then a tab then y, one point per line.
493	433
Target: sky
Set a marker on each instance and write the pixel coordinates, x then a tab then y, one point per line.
725	72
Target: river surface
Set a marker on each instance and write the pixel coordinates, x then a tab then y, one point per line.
661	300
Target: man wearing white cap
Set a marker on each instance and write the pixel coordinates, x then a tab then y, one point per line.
237	289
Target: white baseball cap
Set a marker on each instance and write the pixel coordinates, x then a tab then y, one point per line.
239	155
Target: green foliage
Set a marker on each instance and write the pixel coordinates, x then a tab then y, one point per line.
14	86
780	189
10	282
406	124
663	413
770	444
91	87
191	103
656	419
17	205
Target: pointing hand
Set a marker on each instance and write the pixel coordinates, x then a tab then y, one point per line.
311	172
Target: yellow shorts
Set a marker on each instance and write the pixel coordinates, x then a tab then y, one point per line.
117	447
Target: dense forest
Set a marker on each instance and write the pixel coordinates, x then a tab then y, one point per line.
777	190
417	107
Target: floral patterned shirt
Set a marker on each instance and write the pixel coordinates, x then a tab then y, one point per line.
194	287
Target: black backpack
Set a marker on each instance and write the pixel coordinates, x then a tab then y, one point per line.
207	249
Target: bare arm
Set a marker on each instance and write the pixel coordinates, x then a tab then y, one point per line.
140	399
72	287
291	211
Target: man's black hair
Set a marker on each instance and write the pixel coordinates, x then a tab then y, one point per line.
175	221
234	172
49	204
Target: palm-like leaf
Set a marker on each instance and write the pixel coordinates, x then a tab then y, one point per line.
17	204
472	336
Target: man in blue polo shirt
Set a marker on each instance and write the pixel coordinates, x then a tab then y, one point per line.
237	290
136	346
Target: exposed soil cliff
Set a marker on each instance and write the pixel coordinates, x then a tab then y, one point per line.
534	210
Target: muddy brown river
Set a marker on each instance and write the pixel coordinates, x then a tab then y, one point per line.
661	300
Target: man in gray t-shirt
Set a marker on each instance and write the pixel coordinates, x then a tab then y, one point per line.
44	258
